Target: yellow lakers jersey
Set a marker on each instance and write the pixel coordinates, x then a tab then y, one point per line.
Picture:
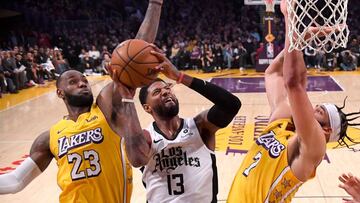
265	175
91	158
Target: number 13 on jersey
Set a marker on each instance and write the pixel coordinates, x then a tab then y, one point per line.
256	158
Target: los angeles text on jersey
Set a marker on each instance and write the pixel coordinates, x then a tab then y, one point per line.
270	143
170	159
83	138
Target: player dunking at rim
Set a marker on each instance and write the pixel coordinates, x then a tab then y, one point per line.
294	143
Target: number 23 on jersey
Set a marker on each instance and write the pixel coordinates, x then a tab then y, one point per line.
77	159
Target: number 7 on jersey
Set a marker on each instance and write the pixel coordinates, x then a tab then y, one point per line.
256	158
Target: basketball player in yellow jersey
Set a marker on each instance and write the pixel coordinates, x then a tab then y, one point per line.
282	159
91	154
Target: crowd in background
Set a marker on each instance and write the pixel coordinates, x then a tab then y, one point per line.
204	35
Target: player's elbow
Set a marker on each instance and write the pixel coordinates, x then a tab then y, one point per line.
236	106
295	80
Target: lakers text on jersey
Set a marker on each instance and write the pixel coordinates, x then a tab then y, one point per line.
91	159
265	175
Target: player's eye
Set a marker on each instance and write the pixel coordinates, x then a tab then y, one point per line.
156	91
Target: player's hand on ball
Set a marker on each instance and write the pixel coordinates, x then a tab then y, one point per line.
125	92
166	67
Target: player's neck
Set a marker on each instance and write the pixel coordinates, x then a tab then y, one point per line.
169	127
75	112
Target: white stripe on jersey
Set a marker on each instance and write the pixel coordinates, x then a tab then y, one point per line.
180	170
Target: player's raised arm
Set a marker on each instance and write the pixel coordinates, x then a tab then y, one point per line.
30	168
150	24
110	98
310	134
275	89
225	107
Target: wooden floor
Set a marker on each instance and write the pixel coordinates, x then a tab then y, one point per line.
32	111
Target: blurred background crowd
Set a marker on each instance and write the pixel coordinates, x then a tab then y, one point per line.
41	39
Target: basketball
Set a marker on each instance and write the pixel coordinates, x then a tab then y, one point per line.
132	63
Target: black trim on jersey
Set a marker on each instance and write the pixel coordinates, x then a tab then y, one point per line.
157	129
215	189
142	171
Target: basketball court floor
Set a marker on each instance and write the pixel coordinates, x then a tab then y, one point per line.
25	115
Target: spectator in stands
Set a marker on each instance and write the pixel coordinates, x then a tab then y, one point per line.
239	56
319	60
348	62
61	64
207	59
19	73
88	64
354	47
6	84
195	58
174	57
95	55
105	64
218	57
83	54
330	61
34	72
310	56
258	51
228	55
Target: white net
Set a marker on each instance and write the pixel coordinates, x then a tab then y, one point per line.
318	24
270	5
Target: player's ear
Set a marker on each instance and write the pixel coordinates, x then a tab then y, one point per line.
60	93
147	108
327	131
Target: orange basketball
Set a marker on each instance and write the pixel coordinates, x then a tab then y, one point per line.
132	63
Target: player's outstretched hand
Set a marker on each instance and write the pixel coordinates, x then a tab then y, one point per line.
166	67
351	184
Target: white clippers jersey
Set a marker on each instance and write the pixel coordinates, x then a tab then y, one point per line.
180	170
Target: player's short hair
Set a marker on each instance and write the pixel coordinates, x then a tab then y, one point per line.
58	80
144	91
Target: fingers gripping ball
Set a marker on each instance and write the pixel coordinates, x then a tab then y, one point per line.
132	64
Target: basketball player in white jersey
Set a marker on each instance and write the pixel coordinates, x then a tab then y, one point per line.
178	157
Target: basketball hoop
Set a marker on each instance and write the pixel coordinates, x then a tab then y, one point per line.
328	16
270	5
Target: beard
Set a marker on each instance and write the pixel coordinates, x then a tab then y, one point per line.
167	112
79	100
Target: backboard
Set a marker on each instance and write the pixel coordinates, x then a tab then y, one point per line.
258	2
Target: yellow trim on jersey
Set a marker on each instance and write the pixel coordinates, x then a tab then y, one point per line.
265	175
91	158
